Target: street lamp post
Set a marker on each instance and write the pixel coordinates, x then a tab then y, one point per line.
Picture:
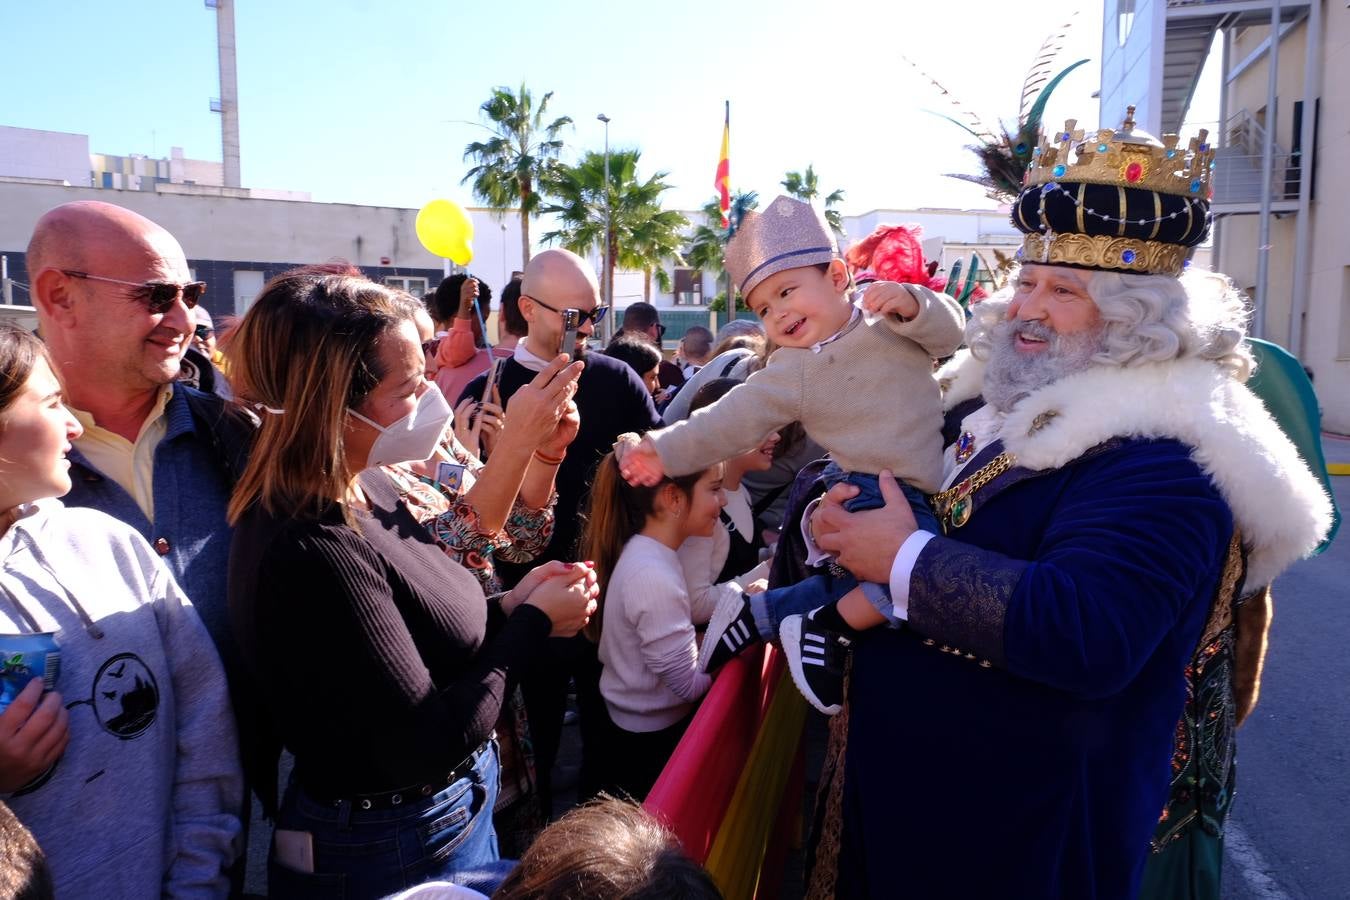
609	280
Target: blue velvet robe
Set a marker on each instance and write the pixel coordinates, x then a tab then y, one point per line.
1042	774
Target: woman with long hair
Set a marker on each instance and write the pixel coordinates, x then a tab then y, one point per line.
645	626
137	706
382	663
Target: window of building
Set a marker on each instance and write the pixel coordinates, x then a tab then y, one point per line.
410	283
1124	19
688	287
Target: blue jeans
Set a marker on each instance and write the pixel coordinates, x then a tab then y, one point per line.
772	606
447	836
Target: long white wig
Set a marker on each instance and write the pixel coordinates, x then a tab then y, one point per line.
1149	318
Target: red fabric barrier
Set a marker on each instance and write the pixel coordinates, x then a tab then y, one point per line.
697	784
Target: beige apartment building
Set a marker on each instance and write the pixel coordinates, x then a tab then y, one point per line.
1283	238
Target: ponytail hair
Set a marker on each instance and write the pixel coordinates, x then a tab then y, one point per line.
616	511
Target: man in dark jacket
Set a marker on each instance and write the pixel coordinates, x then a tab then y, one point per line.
611	400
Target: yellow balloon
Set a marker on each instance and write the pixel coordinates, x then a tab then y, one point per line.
461	254
445	229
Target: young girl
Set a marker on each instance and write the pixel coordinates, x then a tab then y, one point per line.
645	626
728	563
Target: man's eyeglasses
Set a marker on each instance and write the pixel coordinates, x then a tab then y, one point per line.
660	331
429	347
203	332
583	315
158	296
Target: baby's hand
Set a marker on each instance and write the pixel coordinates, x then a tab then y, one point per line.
639	463
884	298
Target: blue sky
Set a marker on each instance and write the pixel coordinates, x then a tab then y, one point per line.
370	102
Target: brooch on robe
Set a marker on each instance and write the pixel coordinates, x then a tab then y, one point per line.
965	446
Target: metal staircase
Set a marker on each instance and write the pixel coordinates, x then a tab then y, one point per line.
1191	26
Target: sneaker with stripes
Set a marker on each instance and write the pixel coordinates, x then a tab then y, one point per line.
730	630
815	658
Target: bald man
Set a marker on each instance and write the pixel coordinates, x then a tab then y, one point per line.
612	401
114	299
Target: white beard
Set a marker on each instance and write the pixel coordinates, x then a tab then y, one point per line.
1010	375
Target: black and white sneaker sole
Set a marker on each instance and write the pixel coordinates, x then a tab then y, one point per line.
800	654
727	633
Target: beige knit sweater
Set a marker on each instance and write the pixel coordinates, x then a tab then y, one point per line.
868	397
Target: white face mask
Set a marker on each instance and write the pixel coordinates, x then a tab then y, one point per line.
414	437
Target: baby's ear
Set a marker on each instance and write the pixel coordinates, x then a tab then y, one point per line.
839	276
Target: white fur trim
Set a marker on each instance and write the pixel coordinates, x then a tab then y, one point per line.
1277	503
961	379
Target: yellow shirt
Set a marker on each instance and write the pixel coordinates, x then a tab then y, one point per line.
131	465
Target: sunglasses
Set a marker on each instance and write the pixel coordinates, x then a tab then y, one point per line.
429	347
583	316
158	296
660	331
203	331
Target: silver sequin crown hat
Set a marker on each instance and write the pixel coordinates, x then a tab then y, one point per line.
789	234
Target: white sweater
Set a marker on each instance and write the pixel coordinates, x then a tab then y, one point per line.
647	642
145	800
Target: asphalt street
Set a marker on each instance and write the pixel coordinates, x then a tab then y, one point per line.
1289	832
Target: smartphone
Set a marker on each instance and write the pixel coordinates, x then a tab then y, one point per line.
571	319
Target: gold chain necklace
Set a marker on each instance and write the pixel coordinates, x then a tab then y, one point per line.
954	506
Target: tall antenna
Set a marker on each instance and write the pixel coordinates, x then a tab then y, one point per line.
228	104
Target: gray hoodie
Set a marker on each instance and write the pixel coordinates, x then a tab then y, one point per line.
145	800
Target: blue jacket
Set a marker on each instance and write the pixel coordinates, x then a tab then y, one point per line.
1040	772
196	464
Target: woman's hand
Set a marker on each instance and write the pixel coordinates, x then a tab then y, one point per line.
567	593
491	419
468	293
468	431
885	298
34	731
534	410
639	463
565	432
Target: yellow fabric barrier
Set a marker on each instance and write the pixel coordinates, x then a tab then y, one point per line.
743	837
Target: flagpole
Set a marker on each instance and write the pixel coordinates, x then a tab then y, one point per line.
731	299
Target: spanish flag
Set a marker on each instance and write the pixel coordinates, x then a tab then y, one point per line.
723	180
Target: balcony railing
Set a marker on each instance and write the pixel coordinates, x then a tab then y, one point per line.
1238	164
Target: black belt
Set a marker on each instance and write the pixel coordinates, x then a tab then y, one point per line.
396	798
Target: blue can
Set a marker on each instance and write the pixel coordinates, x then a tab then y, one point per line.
24	657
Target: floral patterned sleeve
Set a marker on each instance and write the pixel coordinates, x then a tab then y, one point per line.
457	527
529	531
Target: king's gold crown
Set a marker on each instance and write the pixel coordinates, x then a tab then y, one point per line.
1126	158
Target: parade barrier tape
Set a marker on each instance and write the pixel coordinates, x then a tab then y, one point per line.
737	773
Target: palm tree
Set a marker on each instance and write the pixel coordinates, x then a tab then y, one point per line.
517	158
642	235
805	186
708	244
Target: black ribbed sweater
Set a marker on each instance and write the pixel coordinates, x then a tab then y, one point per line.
380	662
